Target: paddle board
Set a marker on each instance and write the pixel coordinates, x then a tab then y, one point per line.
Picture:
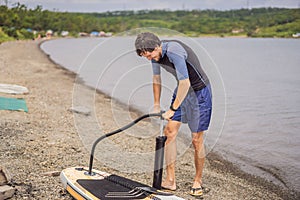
101	185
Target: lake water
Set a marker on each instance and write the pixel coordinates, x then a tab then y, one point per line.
255	84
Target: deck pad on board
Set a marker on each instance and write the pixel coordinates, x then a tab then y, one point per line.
105	186
100	188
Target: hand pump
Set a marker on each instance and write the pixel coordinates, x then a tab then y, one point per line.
159	157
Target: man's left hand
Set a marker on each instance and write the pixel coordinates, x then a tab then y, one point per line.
168	114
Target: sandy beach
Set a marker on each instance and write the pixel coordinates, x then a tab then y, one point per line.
46	138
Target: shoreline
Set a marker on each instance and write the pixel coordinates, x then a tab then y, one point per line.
46	138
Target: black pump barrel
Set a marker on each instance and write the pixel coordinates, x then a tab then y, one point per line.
159	161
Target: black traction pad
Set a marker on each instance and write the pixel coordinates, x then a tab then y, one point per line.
112	183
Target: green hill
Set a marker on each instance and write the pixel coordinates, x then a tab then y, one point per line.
20	22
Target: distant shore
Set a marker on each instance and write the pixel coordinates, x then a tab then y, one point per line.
198	36
46	138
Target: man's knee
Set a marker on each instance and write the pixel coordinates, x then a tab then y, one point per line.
170	132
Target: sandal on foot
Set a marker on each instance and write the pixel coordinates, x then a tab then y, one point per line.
196	191
167	189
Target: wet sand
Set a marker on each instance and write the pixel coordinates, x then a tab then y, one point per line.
46	138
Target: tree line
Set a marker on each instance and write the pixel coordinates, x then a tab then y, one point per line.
18	21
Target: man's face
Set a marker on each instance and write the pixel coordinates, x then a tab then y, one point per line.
154	55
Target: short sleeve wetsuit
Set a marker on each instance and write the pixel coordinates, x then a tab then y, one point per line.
181	61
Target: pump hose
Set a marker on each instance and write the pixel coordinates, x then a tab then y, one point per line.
115	132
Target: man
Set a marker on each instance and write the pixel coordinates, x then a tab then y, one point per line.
191	101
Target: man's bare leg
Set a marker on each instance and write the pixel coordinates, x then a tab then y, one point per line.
199	157
170	131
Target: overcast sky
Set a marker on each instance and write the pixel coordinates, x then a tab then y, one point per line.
113	5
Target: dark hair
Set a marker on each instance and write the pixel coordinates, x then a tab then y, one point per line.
146	42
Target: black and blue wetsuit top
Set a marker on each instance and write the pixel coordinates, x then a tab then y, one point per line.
181	61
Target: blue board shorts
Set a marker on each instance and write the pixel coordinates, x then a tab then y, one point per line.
195	110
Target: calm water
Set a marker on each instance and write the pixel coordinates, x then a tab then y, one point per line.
255	83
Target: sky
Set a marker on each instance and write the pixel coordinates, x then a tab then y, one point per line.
113	5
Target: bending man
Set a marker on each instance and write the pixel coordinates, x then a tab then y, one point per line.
191	102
